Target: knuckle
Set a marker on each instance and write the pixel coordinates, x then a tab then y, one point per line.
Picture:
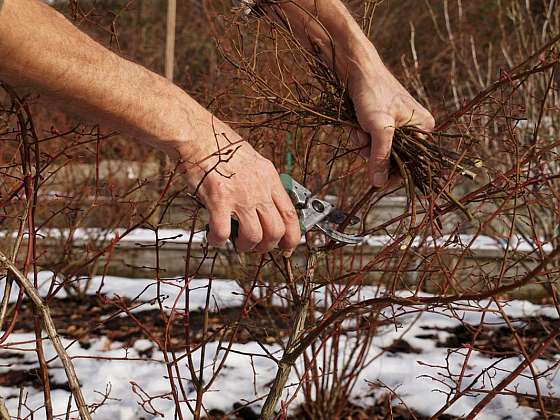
295	240
265	247
253	238
216	241
215	193
218	236
289	214
383	130
289	242
276	233
380	157
293	244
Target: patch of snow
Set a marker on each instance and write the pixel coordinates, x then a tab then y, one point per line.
182	237
245	378
466	241
414	384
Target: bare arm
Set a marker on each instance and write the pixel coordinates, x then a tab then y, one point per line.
42	50
381	102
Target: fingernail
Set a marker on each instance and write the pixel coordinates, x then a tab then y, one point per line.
287	253
380	178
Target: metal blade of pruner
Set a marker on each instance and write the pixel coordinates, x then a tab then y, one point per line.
314	212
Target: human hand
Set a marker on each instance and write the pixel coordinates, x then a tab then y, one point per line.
238	182
382	104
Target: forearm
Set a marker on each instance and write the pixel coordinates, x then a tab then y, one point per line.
381	103
43	51
327	26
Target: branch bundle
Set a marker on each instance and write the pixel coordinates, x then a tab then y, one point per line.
321	98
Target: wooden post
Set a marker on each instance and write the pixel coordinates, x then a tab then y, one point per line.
170	38
169	69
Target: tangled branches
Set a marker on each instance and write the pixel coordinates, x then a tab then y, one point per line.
427	318
320	98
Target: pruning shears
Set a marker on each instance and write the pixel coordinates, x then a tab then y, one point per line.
316	213
313	213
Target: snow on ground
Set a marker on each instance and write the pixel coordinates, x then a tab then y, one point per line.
180	236
472	242
245	378
141	236
224	293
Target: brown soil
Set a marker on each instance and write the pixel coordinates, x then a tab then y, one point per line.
93	317
500	341
380	411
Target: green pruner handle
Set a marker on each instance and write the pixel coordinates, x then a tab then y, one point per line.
288	183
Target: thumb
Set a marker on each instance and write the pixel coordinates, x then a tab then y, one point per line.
362	140
381	142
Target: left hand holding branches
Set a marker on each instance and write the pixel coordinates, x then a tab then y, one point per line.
381	102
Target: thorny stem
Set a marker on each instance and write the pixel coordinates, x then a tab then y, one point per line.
31	181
